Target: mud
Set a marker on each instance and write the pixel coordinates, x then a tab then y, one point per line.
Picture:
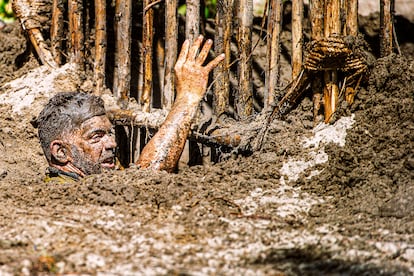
334	199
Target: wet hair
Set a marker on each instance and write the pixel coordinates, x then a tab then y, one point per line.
64	113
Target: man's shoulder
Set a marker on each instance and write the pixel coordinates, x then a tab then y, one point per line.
57	176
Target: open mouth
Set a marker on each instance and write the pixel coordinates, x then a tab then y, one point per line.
108	163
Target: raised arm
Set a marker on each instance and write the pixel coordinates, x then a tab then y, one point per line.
164	150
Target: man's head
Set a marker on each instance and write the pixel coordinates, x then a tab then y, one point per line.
75	133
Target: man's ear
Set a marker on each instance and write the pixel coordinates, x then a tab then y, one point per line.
60	151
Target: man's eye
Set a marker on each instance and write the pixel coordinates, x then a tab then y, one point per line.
97	137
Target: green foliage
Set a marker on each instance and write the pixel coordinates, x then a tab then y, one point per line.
6	11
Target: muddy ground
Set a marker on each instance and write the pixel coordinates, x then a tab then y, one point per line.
332	200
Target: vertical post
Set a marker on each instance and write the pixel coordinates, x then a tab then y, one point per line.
56	31
171	35
386	25
244	98
192	19
147	55
222	40
122	72
351	28
332	27
76	32
351	17
100	46
316	15
297	37
274	27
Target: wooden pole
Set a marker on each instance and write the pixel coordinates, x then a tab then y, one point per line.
192	19
122	72
76	32
351	18
244	98
317	32
56	31
386	27
222	43
297	37
171	36
147	55
332	27
274	27
100	46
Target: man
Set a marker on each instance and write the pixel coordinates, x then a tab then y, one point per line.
77	137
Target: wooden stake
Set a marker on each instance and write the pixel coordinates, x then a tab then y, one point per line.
297	37
332	27
316	16
244	97
351	18
224	21
192	19
27	13
386	27
122	73
147	55
351	28
100	47
274	27
56	31
76	32
171	36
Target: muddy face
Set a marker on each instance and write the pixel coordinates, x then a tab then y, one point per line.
93	145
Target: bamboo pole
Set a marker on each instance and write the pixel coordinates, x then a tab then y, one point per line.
244	97
386	27
192	19
297	37
122	73
100	47
76	32
56	31
171	35
332	27
222	43
274	27
147	55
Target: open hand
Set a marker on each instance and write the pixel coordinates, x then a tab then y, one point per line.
191	75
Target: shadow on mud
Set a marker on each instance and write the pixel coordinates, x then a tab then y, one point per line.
314	260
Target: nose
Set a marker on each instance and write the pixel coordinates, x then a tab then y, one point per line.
110	142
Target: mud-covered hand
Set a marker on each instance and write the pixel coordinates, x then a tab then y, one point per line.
191	75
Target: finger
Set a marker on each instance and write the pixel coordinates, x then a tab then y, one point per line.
194	49
204	52
183	53
213	64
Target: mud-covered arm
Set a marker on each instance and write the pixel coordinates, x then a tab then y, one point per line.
164	150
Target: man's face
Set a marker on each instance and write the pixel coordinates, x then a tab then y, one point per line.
93	145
